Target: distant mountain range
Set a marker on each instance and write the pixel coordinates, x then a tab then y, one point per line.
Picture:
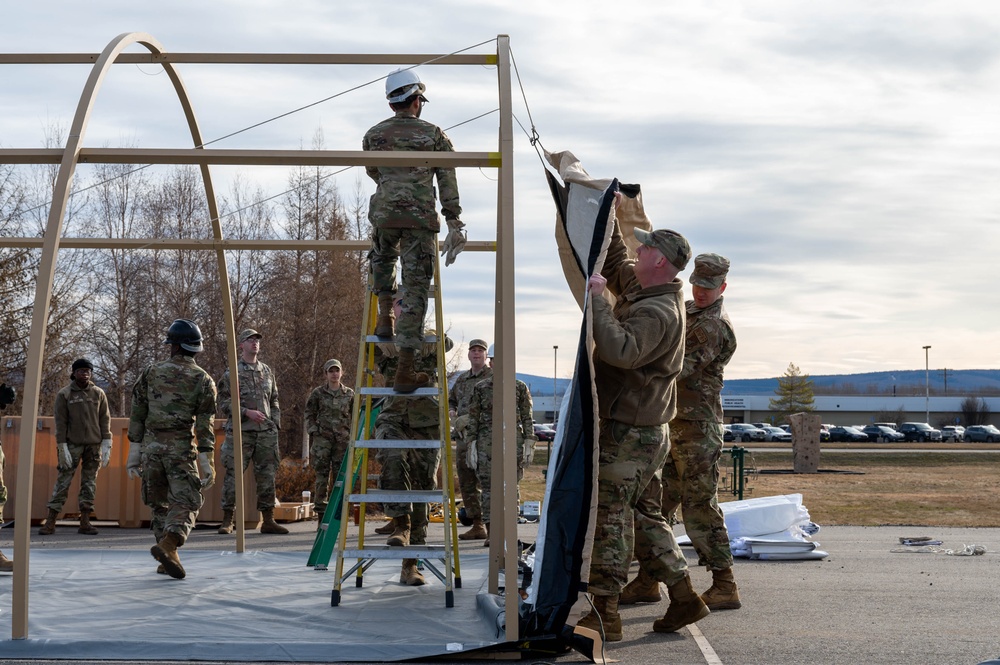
906	382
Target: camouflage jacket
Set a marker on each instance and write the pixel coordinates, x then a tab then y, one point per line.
329	411
480	425
82	415
258	391
405	196
172	398
638	345
418	411
461	392
709	345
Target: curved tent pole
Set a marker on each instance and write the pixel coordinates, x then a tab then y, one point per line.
43	293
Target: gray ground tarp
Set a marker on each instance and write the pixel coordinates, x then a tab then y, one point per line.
255	606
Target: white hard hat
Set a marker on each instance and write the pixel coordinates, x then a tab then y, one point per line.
401	84
489	352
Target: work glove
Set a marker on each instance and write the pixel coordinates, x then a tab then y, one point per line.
206	469
134	463
454	242
105	452
472	455
528	451
63	459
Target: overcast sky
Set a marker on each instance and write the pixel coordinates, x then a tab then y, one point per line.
843	155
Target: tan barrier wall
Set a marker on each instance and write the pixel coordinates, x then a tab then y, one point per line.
117	497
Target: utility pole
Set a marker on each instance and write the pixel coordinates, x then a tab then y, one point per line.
927	383
555	375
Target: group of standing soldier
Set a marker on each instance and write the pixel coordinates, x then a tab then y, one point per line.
658	367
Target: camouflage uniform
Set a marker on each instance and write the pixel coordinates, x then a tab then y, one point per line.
83	419
173	411
480	430
403	216
409	418
691	473
328	421
638	353
258	391
458	399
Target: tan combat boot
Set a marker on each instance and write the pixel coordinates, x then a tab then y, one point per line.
228	524
49	527
723	594
643	589
604	618
6	565
269	525
401	532
406	379
409	575
386	528
477	532
86	527
385	324
165	552
685	608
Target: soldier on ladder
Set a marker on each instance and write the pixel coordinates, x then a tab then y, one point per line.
405	222
408	468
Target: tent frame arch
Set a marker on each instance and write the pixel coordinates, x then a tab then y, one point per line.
502	550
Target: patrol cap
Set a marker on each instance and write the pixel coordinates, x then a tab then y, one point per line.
82	363
247	334
480	343
671	244
710	271
332	362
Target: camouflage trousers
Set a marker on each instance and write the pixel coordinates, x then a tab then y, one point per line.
415	250
408	469
88	458
261	448
691	482
484	471
325	456
468	481
171	487
630	458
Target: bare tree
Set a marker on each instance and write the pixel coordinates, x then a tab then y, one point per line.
975	411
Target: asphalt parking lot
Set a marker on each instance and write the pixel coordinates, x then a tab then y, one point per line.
862	604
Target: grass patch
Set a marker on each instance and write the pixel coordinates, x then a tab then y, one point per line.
913	489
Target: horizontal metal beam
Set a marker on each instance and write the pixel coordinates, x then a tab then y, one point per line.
252	59
254	157
209	243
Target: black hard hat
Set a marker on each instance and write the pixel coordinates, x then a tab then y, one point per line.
185	333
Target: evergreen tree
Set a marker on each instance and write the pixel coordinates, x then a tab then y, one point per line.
794	393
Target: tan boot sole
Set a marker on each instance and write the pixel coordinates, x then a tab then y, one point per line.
172	568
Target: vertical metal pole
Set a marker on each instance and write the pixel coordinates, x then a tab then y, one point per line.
555	374
504	395
927	384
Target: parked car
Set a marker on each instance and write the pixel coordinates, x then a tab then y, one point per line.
919	432
747	432
847	434
987	433
954	433
883	433
772	433
727	434
824	433
543	433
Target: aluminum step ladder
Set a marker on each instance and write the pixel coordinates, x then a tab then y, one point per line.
441	560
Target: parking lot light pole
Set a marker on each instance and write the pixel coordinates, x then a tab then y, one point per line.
555	373
927	383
